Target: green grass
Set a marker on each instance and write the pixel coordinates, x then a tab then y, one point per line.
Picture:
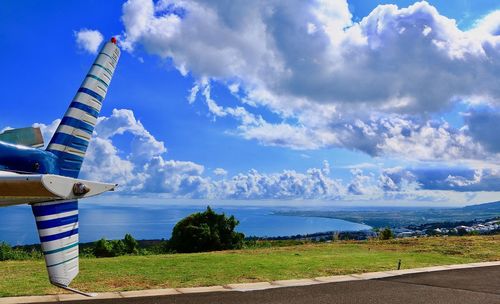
250	265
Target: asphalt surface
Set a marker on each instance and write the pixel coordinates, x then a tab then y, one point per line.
472	285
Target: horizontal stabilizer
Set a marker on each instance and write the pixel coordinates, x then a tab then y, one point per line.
34	188
30	137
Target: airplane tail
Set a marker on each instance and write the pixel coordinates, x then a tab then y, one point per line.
72	137
57	221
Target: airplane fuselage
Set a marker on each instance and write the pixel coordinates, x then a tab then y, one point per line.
21	159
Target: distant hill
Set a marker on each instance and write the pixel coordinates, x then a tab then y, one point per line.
485	207
405	217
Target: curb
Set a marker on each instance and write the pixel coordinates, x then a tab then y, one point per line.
241	287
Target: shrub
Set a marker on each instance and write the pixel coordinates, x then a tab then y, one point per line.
112	248
19	253
5	251
87	252
206	231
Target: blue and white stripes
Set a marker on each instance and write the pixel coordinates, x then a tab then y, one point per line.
72	136
57	224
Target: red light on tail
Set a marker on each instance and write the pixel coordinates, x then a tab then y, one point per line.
113	40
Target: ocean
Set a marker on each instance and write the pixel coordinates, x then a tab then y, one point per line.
17	226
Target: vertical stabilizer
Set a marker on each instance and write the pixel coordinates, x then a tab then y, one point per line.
72	136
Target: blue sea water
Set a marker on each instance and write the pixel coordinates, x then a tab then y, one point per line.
17	225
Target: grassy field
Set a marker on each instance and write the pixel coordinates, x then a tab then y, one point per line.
250	265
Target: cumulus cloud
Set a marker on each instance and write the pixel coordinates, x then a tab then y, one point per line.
366	85
187	179
392	136
177	178
361	183
143	144
289	184
398	59
483	127
490	24
152	172
220	172
103	163
398	179
89	40
396	135
452	178
459	179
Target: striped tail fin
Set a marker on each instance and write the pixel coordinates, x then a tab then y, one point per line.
57	224
72	137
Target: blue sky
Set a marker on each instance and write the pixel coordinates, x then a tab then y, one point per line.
320	100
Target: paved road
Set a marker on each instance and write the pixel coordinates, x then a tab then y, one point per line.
473	285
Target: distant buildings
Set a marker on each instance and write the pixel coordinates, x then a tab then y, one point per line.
446	228
485	228
488	227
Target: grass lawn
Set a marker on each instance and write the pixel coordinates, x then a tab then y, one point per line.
250	265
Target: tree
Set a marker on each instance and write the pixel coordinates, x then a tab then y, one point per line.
131	245
206	231
118	247
103	248
386	234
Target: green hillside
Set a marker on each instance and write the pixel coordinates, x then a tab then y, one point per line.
250	265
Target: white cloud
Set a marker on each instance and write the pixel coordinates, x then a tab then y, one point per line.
489	24
152	173
460	181
143	145
399	136
89	40
389	136
103	163
176	178
220	172
371	64
362	184
364	165
356	85
398	179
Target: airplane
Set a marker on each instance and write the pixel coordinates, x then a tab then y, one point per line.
47	179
